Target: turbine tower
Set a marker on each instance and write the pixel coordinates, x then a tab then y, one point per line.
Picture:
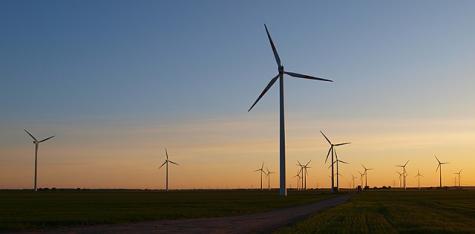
404	173
262	171
280	76
353	178
400	178
459	173
166	162
268	173
439	167
337	162
366	174
333	152
361	178
419	175
37	145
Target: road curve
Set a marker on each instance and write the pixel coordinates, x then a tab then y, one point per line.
251	223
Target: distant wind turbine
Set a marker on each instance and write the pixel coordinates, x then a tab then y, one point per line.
404	173
166	162
280	76
459	173
361	178
333	152
298	178
366	174
353	178
439	167
261	170
37	144
268	173
337	161
400	178
419	175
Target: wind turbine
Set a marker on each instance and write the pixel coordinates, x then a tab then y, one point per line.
418	179
262	171
400	178
166	162
37	144
353	178
404	173
268	173
280	76
298	179
458	173
366	174
333	152
439	166
304	173
361	178
338	161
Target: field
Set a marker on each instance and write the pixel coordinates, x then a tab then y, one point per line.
21	210
430	211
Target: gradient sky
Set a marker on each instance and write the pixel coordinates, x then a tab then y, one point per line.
118	81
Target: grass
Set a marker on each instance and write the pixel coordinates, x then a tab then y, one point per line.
23	210
434	211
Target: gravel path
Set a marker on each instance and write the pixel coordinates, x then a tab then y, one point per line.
251	223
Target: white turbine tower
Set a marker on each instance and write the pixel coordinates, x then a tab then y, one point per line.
366	174
268	173
37	145
439	166
459	174
280	76
400	178
404	172
333	153
166	162
419	175
261	170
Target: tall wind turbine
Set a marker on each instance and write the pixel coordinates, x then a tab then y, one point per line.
400	178
419	175
261	170
268	173
280	76
298	179
333	152
353	178
404	173
361	178
166	162
366	174
338	161
459	173
439	167
37	144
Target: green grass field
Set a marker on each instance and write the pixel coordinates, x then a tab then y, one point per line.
45	209
396	212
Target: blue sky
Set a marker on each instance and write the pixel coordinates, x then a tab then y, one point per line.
174	62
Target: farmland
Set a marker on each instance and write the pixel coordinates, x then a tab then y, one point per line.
429	211
22	210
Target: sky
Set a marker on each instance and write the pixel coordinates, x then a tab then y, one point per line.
117	82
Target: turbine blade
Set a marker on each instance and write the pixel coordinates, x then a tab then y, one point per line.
306	76
163	164
276	55
346	143
328	154
31	135
173	162
329	142
166	153
46	139
437	159
437	168
343	162
264	91
406	163
308	163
